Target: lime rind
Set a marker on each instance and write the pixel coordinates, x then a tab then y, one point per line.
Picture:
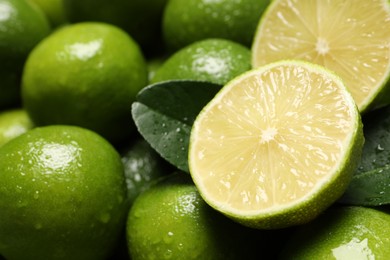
323	194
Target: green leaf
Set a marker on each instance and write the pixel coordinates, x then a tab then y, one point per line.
371	184
369	189
376	150
164	114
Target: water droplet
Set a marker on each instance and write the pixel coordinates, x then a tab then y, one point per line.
36	195
19	189
168	254
168	237
379	148
180	246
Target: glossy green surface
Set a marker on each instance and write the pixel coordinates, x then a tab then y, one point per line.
85	74
13	123
62	195
342	233
212	60
171	221
143	166
22	26
187	21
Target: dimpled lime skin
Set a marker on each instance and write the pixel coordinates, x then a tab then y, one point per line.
13	123
347	232
187	21
22	26
171	221
62	195
85	74
213	60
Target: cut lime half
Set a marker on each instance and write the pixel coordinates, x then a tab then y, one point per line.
277	145
351	38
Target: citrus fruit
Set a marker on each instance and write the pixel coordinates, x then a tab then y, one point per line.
277	145
62	195
171	221
188	21
22	26
140	18
354	42
54	11
13	123
213	60
85	74
342	233
143	166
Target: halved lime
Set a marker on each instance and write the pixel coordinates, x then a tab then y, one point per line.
350	38
277	145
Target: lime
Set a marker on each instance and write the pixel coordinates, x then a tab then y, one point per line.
13	123
354	43
171	221
22	26
62	195
143	166
277	145
188	21
140	18
213	60
342	233
85	74
54	11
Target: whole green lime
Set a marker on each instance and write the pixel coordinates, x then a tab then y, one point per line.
171	221
213	60
54	11
143	166
140	18
62	195
187	21
13	123
85	74
342	233
22	26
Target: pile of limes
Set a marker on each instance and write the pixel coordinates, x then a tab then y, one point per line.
272	167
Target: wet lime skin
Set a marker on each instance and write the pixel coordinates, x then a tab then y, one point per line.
213	60
85	74
342	232
62	195
185	22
